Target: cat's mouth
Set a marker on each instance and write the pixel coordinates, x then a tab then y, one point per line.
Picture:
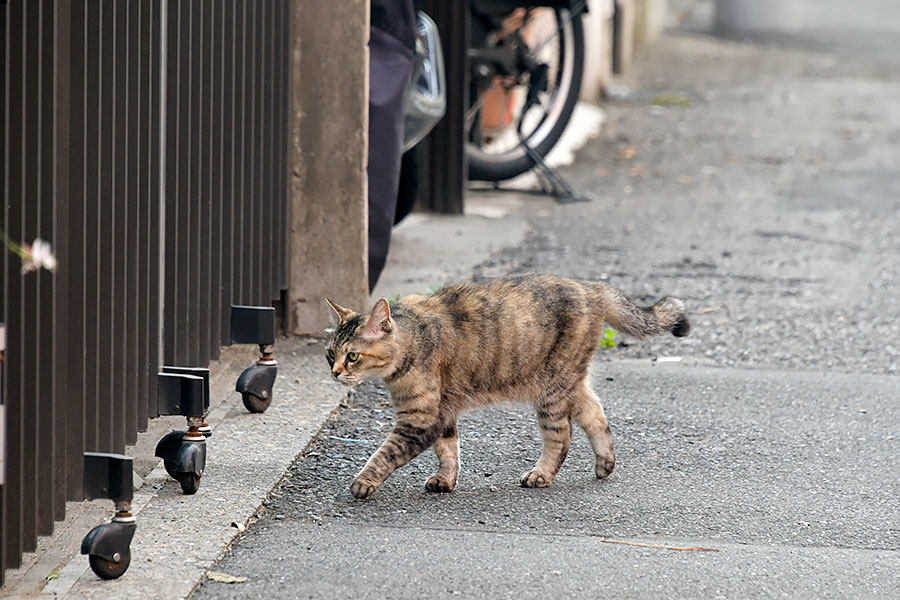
348	380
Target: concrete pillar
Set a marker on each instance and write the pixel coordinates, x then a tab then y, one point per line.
623	52
650	17
329	138
598	49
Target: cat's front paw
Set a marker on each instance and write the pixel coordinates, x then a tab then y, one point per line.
439	484
363	486
604	466
535	479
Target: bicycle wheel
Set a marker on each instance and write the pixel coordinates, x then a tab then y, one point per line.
494	148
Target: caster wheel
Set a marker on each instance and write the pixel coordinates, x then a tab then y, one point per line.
171	469
254	403
107	569
190	483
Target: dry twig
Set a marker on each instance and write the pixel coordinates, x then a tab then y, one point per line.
697	548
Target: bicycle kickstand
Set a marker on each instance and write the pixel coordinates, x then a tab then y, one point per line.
552	183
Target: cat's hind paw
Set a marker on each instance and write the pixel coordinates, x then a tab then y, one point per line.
535	479
439	484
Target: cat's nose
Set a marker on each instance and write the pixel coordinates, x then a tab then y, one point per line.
335	374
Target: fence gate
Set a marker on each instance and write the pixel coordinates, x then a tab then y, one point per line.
147	141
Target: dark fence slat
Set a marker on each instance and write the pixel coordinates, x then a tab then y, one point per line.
62	35
74	253
154	342
30	324
143	91
239	154
227	244
106	229
266	75
251	150
201	201
120	200
5	537
172	326
214	183
13	501
132	392
45	442
93	108
190	250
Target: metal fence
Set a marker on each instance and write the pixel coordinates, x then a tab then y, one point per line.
147	139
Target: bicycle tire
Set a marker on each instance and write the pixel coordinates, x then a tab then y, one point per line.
500	167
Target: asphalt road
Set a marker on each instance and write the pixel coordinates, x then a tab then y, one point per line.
759	181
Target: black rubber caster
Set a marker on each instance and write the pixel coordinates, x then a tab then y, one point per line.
254	403
256	382
256	325
190	482
108	569
184	452
108	545
184	457
171	468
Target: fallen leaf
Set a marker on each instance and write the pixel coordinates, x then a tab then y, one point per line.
627	152
53	575
239	526
225	577
671	100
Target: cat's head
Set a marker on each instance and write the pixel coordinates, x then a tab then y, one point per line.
360	346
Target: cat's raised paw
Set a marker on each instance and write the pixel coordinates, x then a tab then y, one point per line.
535	479
363	488
439	484
603	467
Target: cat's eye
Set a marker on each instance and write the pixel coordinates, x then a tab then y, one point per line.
353	356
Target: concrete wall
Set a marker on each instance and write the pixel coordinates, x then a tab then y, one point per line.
329	137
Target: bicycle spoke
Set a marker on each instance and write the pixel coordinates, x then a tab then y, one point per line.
575	12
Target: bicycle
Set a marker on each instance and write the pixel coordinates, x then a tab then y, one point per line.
526	67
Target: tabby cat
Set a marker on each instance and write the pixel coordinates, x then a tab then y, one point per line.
523	337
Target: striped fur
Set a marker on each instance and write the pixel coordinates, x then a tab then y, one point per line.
521	338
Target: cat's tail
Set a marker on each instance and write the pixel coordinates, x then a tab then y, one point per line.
666	316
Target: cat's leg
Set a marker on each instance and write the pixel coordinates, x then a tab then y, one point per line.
447	449
556	432
588	413
418	427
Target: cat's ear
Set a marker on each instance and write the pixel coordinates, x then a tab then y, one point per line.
379	321
344	314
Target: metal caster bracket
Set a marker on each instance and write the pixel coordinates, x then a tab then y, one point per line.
110	476
256	325
184	452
